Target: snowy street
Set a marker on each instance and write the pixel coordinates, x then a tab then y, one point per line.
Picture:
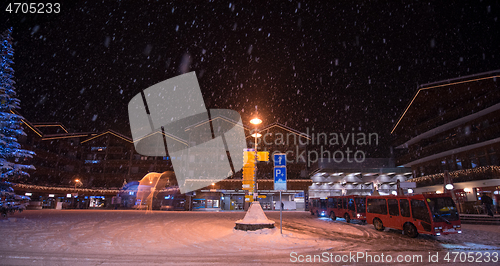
115	237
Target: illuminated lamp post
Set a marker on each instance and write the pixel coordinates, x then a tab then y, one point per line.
77	181
255	218
256	122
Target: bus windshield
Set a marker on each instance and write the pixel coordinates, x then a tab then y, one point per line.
443	209
323	203
360	205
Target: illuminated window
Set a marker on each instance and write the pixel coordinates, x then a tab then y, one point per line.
443	165
473	161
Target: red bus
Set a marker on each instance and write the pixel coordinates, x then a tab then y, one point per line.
318	206
433	214
347	207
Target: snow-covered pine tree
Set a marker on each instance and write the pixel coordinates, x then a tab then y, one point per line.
11	154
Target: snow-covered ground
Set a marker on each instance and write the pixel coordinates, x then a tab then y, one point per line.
116	237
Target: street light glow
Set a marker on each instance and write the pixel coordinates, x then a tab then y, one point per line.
256	135
77	181
255	121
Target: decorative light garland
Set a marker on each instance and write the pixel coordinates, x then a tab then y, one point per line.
66	189
116	191
493	169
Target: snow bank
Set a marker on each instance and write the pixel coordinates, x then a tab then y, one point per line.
255	215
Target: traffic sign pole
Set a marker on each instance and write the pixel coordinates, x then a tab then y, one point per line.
281	214
280	180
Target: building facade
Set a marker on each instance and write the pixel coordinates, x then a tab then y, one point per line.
92	164
451	131
332	178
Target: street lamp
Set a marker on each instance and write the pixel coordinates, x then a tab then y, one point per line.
77	181
255	218
256	121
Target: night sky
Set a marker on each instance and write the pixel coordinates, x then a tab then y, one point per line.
323	65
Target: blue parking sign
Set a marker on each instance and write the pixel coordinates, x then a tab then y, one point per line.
279	160
280	178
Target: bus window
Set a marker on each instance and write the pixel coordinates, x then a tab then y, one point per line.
376	206
360	204
330	202
405	207
334	202
339	203
419	210
393	207
443	209
351	206
322	202
344	203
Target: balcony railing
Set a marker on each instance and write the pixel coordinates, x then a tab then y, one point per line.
460	141
480	104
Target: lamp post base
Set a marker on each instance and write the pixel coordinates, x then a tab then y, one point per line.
252	227
255	219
